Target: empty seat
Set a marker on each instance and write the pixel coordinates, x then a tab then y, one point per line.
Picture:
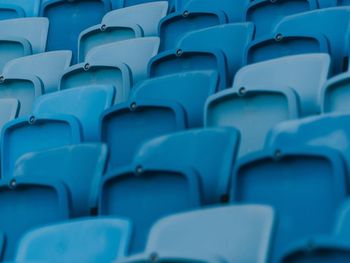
247	108
295	181
131	22
135	53
9	109
235	233
145	193
28	8
266	14
90	74
305	74
199	14
9	11
84	103
27	203
84	240
211	152
48	67
22	88
127	125
79	166
35	133
69	18
116	4
189	89
327	3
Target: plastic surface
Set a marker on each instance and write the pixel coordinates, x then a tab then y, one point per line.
116	4
48	67
29	8
79	166
10	11
9	109
189	89
84	103
12	48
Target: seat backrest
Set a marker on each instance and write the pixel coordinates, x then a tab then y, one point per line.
35	133
84	103
241	233
135	53
27	203
79	166
9	109
87	240
48	67
117	4
306	74
189	89
10	11
30	8
12	48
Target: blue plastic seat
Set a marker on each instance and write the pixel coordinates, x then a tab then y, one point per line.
69	18
79	166
305	74
327	3
10	11
211	152
89	74
35	133
26	203
9	109
189	89
22	88
235	233
246	108
135	53
131	22
199	14
116	4
343	2
295	181
127	125
145	193
266	13
48	67
85	240
28	8
84	103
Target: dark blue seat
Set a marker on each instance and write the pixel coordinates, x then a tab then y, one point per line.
117	4
9	109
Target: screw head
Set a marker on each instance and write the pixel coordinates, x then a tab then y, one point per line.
31	119
103	27
86	66
179	52
133	106
139	170
13	184
278	154
185	13
2	79
154	257
278	37
242	91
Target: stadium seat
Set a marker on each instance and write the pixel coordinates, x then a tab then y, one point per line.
211	152
246	108
135	53
89	74
10	11
48	67
131	22
84	103
145	193
35	133
127	125
9	109
266	13
231	39
22	88
327	3
343	2
117	4
198	14
69	18
189	89
79	167
26	203
84	240
305	74
295	181
334	97
25	7
235	233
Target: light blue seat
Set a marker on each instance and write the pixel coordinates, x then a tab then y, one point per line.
116	4
9	109
84	103
130	22
90	74
306	74
84	240
79	167
127	125
295	181
211	152
198	14
35	133
266	13
28	8
145	193
25	89
26	203
10	11
48	67
69	18
246	108
327	3
135	53
235	233
189	89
